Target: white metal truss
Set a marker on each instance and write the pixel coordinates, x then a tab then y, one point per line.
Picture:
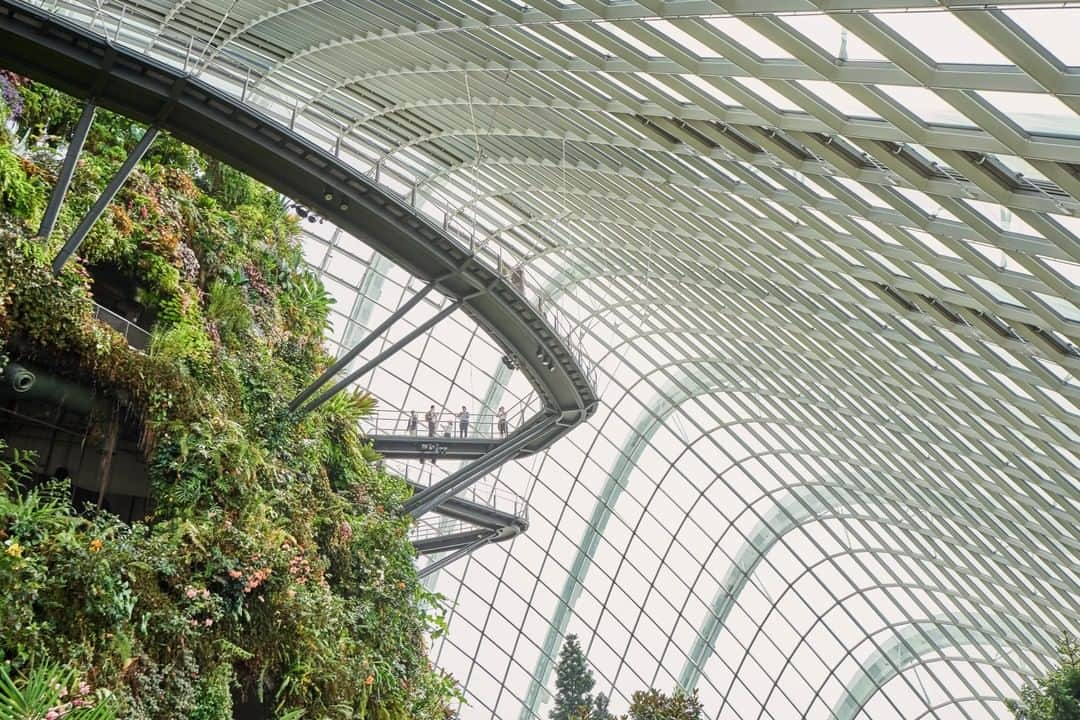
826	254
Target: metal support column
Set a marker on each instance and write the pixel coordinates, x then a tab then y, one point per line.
349	356
455	482
459	553
381	357
67	170
103	201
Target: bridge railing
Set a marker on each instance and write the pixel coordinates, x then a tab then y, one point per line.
112	22
486	491
430	528
482	425
136	337
520	278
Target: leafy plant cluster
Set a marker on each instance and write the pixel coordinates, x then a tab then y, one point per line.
574	701
274	563
1056	695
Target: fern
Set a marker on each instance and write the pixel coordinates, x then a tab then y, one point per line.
39	693
228	307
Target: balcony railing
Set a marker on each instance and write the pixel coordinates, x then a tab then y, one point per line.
136	337
487	491
482	426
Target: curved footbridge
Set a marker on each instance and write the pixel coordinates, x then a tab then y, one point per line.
533	335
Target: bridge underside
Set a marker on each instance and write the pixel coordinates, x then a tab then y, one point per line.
428	448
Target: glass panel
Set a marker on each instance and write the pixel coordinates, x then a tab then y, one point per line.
832	37
708	88
627	38
1036	113
943	38
1054	28
926	105
839	98
749	38
684	39
1019	165
662	87
766	93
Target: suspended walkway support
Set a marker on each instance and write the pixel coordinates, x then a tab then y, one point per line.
230	127
487	512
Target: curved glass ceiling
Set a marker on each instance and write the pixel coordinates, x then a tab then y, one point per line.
827	262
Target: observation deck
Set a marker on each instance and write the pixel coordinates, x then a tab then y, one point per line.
391	435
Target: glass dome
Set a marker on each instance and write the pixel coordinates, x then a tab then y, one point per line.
825	257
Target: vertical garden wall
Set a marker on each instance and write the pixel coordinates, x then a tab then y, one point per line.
267	567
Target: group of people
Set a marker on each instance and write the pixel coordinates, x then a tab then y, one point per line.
432	416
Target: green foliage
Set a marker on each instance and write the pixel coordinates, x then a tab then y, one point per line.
61	575
600	708
655	705
1056	695
274	559
573	682
185	346
308	305
20	194
214	695
48	692
227	308
229	187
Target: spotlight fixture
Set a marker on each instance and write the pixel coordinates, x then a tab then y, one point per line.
539	352
306	214
343	206
328	196
509	362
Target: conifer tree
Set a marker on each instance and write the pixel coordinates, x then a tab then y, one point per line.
1056	695
573	681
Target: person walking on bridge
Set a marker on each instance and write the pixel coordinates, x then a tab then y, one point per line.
463	423
431	418
414	423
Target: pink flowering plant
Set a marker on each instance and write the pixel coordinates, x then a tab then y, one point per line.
50	692
273	566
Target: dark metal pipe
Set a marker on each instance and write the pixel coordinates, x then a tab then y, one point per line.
382	357
103	200
348	357
67	170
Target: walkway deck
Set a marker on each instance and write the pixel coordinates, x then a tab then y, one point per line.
73	59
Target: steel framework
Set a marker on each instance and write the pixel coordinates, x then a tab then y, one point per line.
826	256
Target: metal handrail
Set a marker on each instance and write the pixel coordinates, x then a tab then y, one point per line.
482	425
136	337
519	277
462	234
425	529
486	491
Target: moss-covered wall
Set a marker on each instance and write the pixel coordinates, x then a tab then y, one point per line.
274	561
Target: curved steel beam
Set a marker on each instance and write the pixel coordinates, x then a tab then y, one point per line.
71	58
900	652
643	430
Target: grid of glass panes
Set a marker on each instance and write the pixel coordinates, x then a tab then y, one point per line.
828	264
